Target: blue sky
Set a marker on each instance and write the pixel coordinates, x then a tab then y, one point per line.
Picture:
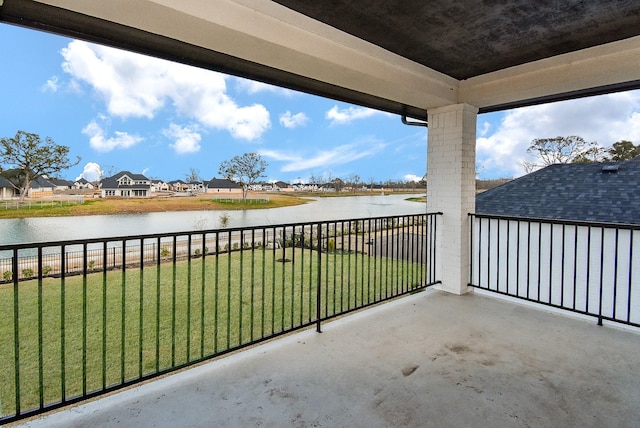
122	111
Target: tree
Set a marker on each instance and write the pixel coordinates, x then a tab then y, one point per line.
549	151
338	184
193	176
623	150
244	170
34	158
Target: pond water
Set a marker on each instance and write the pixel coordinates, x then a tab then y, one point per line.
42	229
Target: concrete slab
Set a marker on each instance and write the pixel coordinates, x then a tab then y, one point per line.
428	360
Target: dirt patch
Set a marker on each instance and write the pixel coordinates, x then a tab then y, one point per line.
459	349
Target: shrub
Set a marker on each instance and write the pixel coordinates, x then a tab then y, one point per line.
7	275
27	273
224	220
332	245
164	252
46	270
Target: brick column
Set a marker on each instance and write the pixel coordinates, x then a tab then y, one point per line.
451	190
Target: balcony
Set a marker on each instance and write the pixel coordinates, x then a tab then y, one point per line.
429	359
137	308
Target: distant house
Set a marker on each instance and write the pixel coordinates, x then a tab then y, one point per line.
83	184
41	187
327	187
196	186
61	185
7	191
281	186
221	185
178	186
125	185
597	192
159	186
305	187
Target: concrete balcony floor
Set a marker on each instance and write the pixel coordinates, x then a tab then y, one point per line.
428	360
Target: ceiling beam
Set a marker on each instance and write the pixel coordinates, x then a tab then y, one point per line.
601	69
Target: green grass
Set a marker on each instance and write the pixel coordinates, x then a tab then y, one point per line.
120	326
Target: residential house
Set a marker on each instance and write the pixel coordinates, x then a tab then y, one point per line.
600	192
178	186
305	187
196	187
82	183
327	187
222	185
38	188
126	185
569	224
61	185
281	186
41	187
7	190
159	186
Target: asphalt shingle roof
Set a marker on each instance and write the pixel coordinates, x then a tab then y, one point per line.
221	183
5	183
578	191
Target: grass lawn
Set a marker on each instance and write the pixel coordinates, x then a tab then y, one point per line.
107	328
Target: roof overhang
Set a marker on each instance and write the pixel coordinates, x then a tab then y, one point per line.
266	41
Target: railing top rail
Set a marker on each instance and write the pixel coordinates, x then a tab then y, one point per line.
44	244
559	221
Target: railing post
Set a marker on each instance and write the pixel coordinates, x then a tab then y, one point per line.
319	282
16	333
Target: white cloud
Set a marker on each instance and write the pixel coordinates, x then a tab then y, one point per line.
289	120
486	127
91	172
51	85
604	119
133	85
412	177
187	139
344	116
100	143
325	158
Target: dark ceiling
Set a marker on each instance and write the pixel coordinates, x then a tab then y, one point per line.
467	38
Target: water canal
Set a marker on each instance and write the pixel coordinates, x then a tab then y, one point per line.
43	229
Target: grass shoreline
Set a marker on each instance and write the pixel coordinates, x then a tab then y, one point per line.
193	203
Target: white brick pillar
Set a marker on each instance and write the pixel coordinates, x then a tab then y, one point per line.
451	189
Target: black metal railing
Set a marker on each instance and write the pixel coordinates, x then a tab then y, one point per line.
82	318
584	267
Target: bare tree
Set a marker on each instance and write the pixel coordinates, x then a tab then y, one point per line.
193	175
549	151
243	170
